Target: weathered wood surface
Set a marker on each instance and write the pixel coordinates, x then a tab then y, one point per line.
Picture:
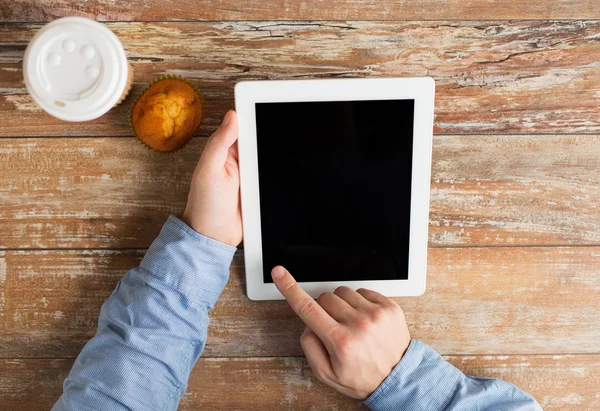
493	77
96	192
144	10
559	382
515	311
115	193
515	190
478	301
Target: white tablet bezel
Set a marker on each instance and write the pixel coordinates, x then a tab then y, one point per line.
419	89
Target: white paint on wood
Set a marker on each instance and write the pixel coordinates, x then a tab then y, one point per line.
2	286
22	102
2	270
492	77
565	400
478	301
486	190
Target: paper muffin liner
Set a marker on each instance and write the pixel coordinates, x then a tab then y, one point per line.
156	80
128	85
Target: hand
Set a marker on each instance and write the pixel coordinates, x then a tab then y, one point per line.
353	339
213	206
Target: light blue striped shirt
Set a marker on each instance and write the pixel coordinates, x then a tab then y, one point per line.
153	328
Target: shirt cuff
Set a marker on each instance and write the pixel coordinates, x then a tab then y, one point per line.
394	382
189	262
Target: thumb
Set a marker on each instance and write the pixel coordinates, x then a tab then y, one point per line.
316	355
217	148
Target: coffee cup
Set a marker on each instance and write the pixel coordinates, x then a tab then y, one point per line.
76	69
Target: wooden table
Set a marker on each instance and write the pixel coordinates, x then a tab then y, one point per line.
513	282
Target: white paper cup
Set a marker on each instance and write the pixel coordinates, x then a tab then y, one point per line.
76	69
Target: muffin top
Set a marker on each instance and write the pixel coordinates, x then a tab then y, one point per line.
166	116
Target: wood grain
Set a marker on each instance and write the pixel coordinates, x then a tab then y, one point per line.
109	192
515	190
45	10
115	193
565	382
500	304
558	382
478	301
492	77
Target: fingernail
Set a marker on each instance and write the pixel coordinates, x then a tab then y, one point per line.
278	272
226	119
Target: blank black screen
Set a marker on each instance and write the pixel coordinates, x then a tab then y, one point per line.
334	184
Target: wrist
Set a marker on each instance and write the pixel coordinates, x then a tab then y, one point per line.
363	396
400	376
187	218
191	219
214	228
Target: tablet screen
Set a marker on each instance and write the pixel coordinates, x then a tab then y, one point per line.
335	188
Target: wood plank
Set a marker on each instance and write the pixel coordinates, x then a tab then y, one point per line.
31	10
492	77
557	382
114	193
565	382
108	192
515	190
478	301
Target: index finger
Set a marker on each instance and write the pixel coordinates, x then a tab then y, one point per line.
313	315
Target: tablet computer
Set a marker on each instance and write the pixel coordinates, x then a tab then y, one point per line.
335	178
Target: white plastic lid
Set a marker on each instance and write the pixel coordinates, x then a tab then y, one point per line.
75	69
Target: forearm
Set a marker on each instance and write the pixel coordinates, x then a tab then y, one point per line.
153	327
424	380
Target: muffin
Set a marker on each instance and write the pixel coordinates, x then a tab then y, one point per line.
167	114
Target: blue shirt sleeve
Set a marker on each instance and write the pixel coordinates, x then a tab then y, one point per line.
423	380
153	327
